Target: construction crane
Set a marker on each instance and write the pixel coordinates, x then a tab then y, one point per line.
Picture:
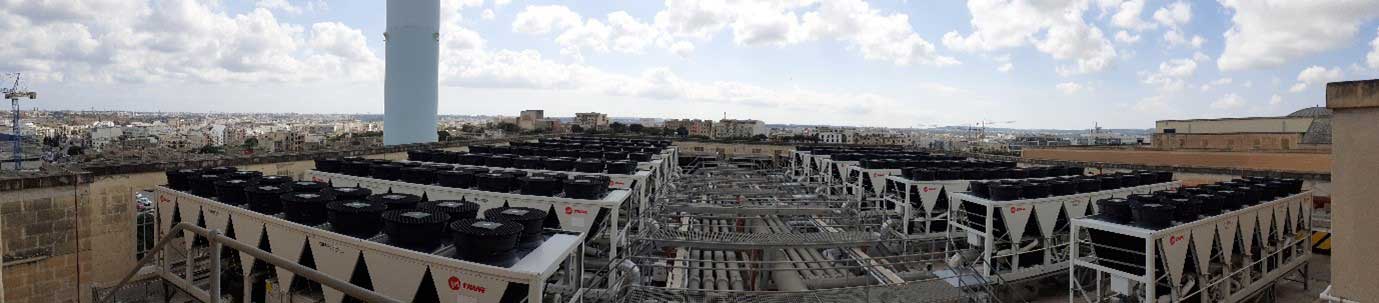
14	93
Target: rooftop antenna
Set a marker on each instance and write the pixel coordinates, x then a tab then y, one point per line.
15	93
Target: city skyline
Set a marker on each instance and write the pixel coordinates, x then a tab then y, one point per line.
1065	65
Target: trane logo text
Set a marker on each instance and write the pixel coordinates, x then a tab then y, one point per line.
572	210
455	284
1174	240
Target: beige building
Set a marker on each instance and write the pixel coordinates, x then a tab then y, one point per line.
731	128
591	121
696	127
529	119
1305	129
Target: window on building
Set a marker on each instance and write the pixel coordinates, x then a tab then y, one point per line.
756	150
698	148
1287	144
1170	130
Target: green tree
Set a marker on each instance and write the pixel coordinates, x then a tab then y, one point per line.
618	127
442	135
210	149
682	132
250	143
75	150
576	128
509	127
636	128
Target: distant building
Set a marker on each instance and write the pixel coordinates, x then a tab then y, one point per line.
591	121
1305	129
835	136
1021	142
529	119
696	127
731	128
649	122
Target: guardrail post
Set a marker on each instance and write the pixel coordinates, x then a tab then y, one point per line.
215	266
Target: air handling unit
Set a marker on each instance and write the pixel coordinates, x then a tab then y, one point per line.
411	72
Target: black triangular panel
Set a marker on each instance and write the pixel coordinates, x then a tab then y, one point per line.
360	277
264	245
307	259
552	219
505	204
229	232
1060	224
515	293
941	203
201	241
176	214
426	292
424	198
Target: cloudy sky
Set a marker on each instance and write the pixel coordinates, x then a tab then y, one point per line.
896	63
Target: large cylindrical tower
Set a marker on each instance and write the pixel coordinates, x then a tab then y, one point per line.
412	68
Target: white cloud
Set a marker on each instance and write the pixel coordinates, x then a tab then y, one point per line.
697	19
999	24
1005	66
1200	57
618	32
1129	16
1248	84
1229	101
1372	59
466	62
488	14
285	6
1172	74
1174	15
541	19
1216	83
1069	88
176	41
1152	105
877	35
1174	38
874	34
1270	33
1275	100
1127	38
500	3
1315	75
767	25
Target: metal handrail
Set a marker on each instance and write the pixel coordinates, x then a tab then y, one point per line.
216	239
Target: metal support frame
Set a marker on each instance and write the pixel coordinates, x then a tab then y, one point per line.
216	240
1255	273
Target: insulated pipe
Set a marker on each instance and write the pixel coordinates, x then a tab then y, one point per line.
411	71
720	272
785	275
785	278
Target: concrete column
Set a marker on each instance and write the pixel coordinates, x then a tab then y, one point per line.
1355	196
